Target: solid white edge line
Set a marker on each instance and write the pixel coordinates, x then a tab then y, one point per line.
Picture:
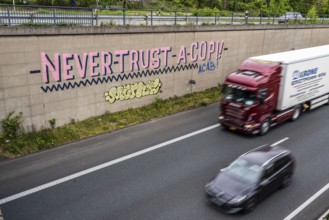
280	141
101	166
307	202
324	215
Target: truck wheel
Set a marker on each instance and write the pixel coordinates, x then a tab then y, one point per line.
296	113
265	127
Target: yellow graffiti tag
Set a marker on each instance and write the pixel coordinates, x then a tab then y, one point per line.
132	91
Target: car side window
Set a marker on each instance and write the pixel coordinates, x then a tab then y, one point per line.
278	165
268	172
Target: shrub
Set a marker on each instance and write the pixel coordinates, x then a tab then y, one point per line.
11	125
52	122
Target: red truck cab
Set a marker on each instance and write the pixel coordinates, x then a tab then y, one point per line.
250	97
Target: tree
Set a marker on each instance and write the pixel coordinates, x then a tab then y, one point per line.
279	7
321	6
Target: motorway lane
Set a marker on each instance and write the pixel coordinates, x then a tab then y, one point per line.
168	183
24	173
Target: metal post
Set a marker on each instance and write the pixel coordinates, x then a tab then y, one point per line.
151	18
97	16
197	19
92	17
175	18
9	20
124	17
234	7
232	17
54	16
260	21
215	18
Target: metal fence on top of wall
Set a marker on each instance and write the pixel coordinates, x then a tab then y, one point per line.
41	15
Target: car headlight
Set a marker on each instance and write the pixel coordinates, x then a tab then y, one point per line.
238	200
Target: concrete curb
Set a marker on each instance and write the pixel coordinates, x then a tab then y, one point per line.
326	214
95	30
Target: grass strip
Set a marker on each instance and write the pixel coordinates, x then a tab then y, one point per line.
26	143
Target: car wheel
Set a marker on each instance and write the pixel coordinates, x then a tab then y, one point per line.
250	205
265	127
286	181
296	113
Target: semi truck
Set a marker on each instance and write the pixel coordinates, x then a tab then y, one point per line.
269	89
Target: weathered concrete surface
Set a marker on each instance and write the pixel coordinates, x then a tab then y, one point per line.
72	73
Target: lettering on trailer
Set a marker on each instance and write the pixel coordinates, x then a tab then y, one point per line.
307	83
304	76
70	70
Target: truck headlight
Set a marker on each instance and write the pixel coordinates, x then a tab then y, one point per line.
248	126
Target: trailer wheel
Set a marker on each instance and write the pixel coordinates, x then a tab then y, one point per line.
296	113
265	127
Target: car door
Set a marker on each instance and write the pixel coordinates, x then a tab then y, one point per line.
268	181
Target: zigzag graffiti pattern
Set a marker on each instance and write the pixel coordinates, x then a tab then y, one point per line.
116	78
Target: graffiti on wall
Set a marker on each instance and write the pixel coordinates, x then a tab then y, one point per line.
132	91
70	70
207	67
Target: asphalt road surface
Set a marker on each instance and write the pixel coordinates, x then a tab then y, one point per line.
166	181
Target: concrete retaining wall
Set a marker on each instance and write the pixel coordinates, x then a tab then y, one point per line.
72	73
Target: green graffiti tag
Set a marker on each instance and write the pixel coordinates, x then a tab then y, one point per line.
132	91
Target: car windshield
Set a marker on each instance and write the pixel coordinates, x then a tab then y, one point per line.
240	95
244	171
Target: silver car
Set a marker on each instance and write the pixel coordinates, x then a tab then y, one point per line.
290	16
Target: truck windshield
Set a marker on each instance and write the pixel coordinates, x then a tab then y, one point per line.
240	95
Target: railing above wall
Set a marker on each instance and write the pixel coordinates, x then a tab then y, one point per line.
41	15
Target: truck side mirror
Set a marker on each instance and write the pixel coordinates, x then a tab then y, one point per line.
261	99
262	95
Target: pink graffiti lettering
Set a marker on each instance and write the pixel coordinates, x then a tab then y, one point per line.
121	54
145	58
54	67
155	61
81	65
204	50
107	63
93	64
132	91
219	49
194	46
134	57
211	49
48	66
67	67
182	55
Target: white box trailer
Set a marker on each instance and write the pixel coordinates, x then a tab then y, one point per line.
305	76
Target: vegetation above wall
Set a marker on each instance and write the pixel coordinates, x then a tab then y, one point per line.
319	7
15	142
